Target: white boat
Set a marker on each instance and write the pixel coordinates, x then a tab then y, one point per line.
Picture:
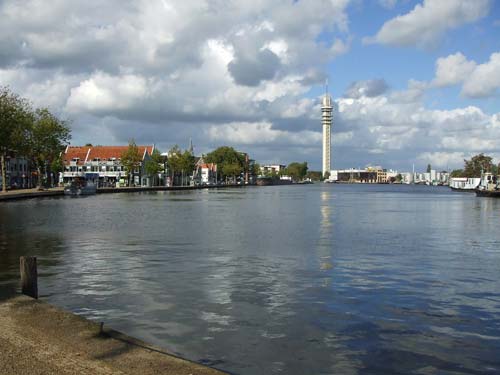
464	183
80	186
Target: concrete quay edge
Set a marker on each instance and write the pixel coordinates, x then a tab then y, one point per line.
39	338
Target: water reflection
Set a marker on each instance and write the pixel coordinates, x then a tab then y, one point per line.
293	279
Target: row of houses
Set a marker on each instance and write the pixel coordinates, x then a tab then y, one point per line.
19	173
103	165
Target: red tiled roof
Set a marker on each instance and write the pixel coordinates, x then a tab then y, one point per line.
73	152
211	166
89	153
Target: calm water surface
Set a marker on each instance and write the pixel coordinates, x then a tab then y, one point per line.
317	279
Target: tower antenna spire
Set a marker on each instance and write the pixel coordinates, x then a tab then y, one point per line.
326	86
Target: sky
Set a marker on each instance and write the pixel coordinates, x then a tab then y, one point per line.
413	82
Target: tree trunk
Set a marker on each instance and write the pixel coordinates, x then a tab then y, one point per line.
39	178
4	173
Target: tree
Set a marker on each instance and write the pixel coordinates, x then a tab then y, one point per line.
399	178
187	163
155	165
48	137
297	171
255	169
180	162
131	159
314	175
225	156
457	173
232	170
16	116
477	165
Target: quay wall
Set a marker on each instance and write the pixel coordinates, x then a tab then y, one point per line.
30	194
38	338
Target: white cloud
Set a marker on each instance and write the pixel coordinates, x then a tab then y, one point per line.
427	22
442	160
103	92
261	133
485	79
452	70
159	72
388	4
479	80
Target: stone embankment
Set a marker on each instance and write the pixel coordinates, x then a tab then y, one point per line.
34	193
37	338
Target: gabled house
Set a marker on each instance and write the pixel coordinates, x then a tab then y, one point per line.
103	165
205	173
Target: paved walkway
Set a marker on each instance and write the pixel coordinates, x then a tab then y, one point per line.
37	338
30	193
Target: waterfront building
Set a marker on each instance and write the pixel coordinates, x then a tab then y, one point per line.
205	173
354	176
272	169
19	173
103	163
326	121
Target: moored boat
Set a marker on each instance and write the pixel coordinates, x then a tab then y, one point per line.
464	184
489	186
80	186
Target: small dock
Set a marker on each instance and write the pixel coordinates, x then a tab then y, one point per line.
38	338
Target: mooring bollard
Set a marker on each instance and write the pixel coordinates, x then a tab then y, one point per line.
29	276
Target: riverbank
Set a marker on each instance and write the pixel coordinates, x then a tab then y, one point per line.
29	193
37	338
34	193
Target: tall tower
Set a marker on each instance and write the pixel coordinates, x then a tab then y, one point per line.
326	121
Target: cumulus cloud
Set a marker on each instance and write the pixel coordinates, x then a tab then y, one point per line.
484	79
240	73
370	88
479	80
261	133
427	22
397	123
441	159
452	70
251	70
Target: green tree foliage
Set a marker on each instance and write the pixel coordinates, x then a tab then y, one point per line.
314	175
399	178
131	159
233	169
478	164
16	117
180	162
297	171
155	165
47	139
229	162
255	169
457	173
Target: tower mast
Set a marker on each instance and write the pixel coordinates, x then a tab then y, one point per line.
326	121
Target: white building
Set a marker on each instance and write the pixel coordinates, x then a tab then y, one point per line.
272	168
103	163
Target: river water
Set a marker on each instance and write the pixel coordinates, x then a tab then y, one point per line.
312	279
